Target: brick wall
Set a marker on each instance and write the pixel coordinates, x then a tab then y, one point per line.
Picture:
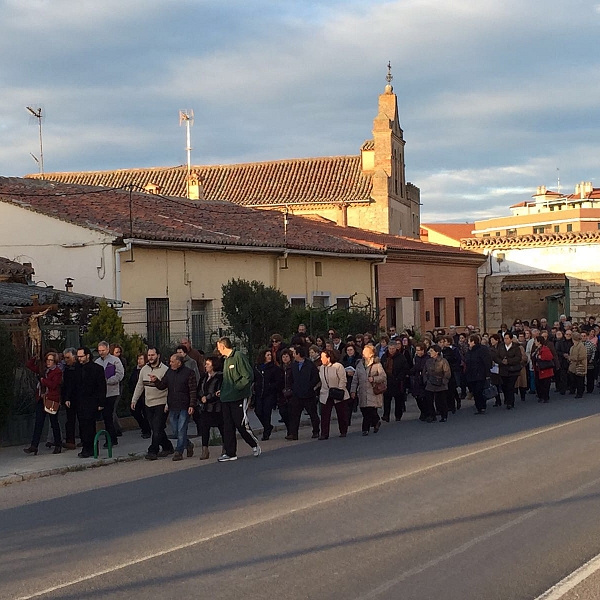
447	280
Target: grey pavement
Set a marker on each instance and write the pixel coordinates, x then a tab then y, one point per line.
16	466
494	507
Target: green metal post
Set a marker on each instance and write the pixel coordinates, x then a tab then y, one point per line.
107	440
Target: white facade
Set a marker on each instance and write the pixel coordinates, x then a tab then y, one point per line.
57	250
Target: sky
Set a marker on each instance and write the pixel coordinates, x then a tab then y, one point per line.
496	97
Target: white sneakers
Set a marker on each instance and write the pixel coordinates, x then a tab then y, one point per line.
226	458
256	451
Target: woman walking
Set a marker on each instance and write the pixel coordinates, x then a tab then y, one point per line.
366	384
436	375
495	370
417	384
543	363
48	390
478	364
333	393
284	387
265	390
209	405
139	412
509	353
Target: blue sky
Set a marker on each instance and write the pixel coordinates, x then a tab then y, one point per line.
494	95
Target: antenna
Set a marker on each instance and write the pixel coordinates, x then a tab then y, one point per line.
37	113
558	179
187	117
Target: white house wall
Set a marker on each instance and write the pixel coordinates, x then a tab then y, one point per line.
58	250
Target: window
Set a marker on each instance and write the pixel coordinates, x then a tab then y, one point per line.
200	309
318	268
598	225
157	322
343	303
486	235
569	227
511	232
498	233
541	229
439	312
557	229
459	311
298	302
320	301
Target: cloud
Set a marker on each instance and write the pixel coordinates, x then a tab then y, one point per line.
494	95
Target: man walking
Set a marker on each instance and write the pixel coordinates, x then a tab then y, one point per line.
87	396
114	373
155	401
305	381
70	357
181	385
235	393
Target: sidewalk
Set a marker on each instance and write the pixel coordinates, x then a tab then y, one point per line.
15	466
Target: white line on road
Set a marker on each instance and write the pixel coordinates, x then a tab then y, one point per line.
384	587
570	581
308	506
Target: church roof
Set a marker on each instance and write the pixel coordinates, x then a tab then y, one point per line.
322	180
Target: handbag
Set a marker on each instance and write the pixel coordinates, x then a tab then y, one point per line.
378	388
545	364
50	406
335	394
489	391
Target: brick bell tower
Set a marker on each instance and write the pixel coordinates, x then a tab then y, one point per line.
395	210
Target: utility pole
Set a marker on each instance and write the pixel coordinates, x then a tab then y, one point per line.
37	113
187	117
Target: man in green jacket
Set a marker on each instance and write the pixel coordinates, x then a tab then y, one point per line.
235	393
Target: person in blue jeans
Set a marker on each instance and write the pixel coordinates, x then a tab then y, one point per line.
181	385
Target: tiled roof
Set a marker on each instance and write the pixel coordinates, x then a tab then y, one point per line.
456	231
538	240
368	145
10	267
395	242
297	181
13	295
173	219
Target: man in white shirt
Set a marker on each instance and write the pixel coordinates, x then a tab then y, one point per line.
155	401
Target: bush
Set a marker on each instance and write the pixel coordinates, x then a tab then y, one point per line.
8	364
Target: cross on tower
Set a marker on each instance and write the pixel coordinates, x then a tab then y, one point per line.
389	76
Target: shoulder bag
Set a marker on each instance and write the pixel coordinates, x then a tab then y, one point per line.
378	388
336	394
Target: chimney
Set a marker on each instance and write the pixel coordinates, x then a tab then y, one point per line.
343	219
194	187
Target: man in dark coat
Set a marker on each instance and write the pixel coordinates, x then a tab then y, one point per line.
396	368
70	357
305	381
87	395
509	354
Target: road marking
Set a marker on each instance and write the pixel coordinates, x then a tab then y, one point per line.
310	506
570	581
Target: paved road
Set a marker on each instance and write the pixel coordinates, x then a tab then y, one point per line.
500	506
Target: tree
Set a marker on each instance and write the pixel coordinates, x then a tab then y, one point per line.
254	312
8	363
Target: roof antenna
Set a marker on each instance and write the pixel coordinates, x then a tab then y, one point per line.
38	114
558	180
187	117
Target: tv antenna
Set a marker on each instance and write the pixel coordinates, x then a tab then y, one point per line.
558	179
187	117
38	114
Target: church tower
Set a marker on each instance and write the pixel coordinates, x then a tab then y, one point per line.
396	207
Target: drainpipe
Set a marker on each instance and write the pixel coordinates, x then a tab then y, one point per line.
485	290
118	251
375	281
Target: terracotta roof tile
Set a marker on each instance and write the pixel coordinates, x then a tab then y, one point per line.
173	219
297	181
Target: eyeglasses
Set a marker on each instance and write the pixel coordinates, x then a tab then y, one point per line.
49	358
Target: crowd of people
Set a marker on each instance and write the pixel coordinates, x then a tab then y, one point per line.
315	375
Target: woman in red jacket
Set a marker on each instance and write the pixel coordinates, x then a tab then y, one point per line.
543	365
49	387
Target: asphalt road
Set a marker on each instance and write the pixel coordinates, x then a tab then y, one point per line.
500	506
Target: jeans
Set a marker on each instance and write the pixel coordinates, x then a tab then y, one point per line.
179	423
263	408
40	419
